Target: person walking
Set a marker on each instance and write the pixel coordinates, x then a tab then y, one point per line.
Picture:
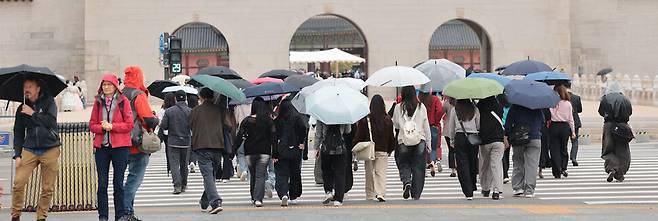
465	120
169	101
523	133
111	122
616	110
577	107
410	117
561	129
448	105
287	155
143	117
206	123
33	148
331	148
258	134
179	140
434	114
545	154
492	149
380	125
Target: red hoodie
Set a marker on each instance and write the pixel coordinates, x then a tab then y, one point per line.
134	78
122	122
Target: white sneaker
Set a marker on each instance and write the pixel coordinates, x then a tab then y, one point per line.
243	176
192	168
293	202
328	197
336	203
258	204
529	195
224	180
284	201
518	193
506	180
469	198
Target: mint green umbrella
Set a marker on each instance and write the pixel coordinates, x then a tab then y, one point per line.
472	88
221	86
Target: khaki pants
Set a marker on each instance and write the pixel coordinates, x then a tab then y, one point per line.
49	162
376	175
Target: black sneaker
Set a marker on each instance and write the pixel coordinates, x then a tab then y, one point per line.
406	191
574	162
453	174
486	193
204	206
216	209
380	199
355	165
495	195
611	176
565	174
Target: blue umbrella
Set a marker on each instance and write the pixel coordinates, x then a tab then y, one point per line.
531	94
526	67
270	88
547	76
500	79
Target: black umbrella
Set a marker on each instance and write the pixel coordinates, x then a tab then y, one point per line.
279	73
220	71
526	67
157	86
301	81
604	71
270	88
241	83
12	78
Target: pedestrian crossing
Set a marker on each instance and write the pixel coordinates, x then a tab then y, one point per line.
585	184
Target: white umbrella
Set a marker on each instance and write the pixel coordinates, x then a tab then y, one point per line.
440	72
299	101
181	79
397	76
337	105
188	90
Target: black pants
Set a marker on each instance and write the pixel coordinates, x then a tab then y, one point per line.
288	178
224	169
506	163
615	152
545	157
333	175
452	163
574	146
349	173
559	138
411	164
467	166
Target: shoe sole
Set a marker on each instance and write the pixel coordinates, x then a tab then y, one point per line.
406	192
216	210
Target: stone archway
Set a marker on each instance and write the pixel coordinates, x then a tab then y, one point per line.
203	46
463	42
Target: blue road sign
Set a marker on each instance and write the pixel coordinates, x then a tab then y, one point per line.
5	139
162	43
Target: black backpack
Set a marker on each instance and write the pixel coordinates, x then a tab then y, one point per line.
520	135
136	134
333	143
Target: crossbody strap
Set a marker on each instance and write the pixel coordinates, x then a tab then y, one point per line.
464	129
498	118
369	129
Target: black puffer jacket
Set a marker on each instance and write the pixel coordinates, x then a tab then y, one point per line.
491	130
38	131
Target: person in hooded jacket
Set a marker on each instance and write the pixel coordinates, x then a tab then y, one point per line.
287	153
111	122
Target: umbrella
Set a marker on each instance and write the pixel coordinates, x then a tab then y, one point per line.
157	86
279	74
11	81
301	81
397	76
337	105
240	83
266	79
181	79
221	86
441	72
604	71
188	90
250	100
500	79
299	101
526	67
531	94
547	76
220	71
269	88
473	88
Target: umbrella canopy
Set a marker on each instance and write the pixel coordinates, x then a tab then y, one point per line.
240	83
299	101
441	72
473	88
188	90
526	67
265	80
158	86
220	71
531	94
332	55
604	71
498	78
279	73
269	88
301	81
250	100
181	79
221	86
337	105
397	76
547	76
12	78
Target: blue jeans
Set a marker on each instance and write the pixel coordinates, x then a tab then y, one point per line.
242	161
207	159
119	159
435	142
271	176
136	168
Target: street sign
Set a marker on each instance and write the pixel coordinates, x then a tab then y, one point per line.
162	43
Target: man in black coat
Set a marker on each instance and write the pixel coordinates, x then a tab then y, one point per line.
577	108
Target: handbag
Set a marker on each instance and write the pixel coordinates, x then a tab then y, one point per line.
365	150
623	132
473	138
150	142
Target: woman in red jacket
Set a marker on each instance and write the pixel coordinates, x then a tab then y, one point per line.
434	115
111	122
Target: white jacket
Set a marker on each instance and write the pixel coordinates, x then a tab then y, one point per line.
421	121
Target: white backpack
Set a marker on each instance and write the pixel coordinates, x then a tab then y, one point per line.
411	135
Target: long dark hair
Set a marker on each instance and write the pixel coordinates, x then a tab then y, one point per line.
261	110
286	110
465	109
409	100
378	113
169	100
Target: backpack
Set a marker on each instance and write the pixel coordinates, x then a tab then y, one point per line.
410	135
519	136
145	141
333	143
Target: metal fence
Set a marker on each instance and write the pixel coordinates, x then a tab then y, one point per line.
75	188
